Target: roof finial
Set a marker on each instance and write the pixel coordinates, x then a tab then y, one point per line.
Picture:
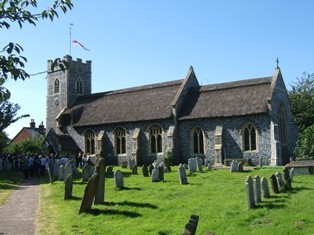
191	67
277	61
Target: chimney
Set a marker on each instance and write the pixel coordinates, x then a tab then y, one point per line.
32	124
41	127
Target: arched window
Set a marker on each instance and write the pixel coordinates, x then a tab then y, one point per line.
56	86
155	139
119	141
197	141
79	87
249	137
89	142
282	124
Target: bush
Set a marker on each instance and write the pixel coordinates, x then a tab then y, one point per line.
305	145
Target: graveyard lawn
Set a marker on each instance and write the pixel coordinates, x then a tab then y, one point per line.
8	182
218	197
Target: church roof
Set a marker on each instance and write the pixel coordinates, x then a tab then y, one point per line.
237	98
149	102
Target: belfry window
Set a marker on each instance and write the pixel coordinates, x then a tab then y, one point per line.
120	141
56	87
79	86
155	139
89	142
249	137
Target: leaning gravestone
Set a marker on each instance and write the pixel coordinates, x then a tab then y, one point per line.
280	182
167	165
118	178
85	173
145	171
67	170
199	163
192	165
182	175
257	189
61	172
155	175
191	226
274	184
68	187
265	189
134	170
100	192
89	194
250	192
161	172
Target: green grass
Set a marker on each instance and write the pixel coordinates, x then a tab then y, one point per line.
143	207
8	182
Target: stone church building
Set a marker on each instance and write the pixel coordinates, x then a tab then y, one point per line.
249	119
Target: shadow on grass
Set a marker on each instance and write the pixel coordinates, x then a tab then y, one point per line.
75	198
271	205
7	186
135	204
96	212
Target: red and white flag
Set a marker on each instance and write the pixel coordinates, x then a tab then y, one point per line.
78	44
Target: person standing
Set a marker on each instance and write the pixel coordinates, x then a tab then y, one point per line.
43	162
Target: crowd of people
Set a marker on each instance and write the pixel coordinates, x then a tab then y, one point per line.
37	164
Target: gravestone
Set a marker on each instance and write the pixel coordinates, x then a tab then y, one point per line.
61	172
206	162
145	171
161	172
192	165
134	170
131	163
167	165
191	226
257	189
118	178
89	194
291	174
185	166
265	188
156	164
49	175
240	166
67	170
150	169
91	170
124	164
155	175
274	184
234	166
56	168
250	192
100	192
109	170
280	182
199	163
68	187
85	173
182	175
287	179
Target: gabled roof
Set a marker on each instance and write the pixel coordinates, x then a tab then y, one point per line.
28	132
238	98
149	102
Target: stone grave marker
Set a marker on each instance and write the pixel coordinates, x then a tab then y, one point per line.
124	164
91	170
167	165
49	175
67	170
240	166
287	179
274	184
131	163
85	173
291	174
155	175
68	187
145	171
109	170
185	166
280	182
150	169
134	170
182	175
192	165
118	178
56	169
89	194
234	166
265	188
199	163
257	189
61	172
100	192
191	226
161	173
250	192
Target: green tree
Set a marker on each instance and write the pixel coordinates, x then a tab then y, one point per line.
4	140
305	144
28	146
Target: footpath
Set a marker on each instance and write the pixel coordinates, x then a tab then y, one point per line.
18	215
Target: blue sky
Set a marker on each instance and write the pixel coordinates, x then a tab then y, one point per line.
140	42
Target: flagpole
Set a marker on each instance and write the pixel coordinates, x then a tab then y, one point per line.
70	28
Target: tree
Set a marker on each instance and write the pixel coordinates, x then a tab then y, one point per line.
305	144
12	62
29	146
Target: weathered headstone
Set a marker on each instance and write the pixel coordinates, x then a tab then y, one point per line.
118	177
89	194
61	172
145	171
191	226
167	165
68	187
131	163
182	175
100	192
287	179
124	164
155	175
257	189
49	175
134	170
250	192
265	188
85	173
274	184
185	166
240	166
280	182
56	168
199	163
109	170
291	174
234	166
91	170
161	172
150	169
192	165
67	170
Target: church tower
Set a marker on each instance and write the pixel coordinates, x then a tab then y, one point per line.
63	88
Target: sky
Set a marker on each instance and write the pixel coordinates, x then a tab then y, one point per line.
141	42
